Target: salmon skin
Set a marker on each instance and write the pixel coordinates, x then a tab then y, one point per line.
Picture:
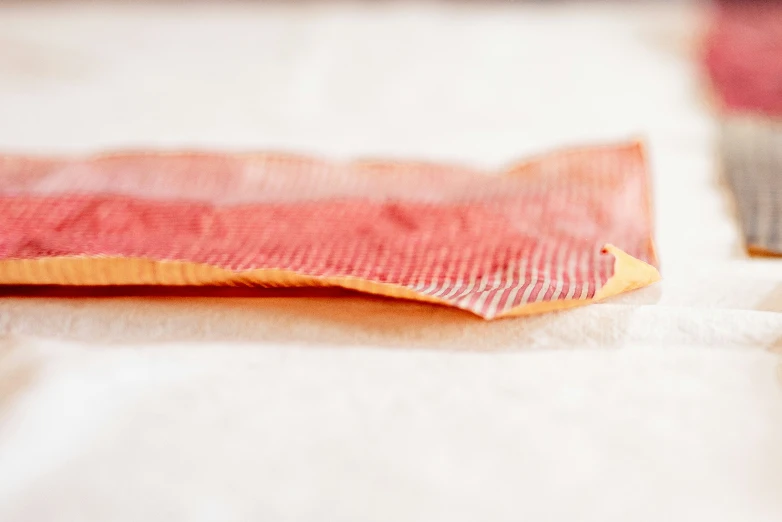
557	231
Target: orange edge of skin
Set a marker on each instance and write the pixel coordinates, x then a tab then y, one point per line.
629	273
757	251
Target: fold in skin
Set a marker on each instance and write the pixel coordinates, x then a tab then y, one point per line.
558	231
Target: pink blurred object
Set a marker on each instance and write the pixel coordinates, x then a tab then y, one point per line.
744	56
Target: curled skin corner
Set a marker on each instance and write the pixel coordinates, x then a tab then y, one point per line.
629	274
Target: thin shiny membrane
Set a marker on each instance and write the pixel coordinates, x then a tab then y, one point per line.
557	231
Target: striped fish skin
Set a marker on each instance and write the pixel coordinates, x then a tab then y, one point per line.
489	243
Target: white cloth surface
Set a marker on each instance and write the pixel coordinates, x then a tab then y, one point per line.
664	404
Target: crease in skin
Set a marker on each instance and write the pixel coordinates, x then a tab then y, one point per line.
629	274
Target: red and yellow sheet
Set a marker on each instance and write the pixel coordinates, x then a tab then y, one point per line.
560	230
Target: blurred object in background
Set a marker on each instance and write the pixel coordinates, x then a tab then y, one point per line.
743	58
751	149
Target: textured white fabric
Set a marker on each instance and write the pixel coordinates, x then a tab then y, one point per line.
665	404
